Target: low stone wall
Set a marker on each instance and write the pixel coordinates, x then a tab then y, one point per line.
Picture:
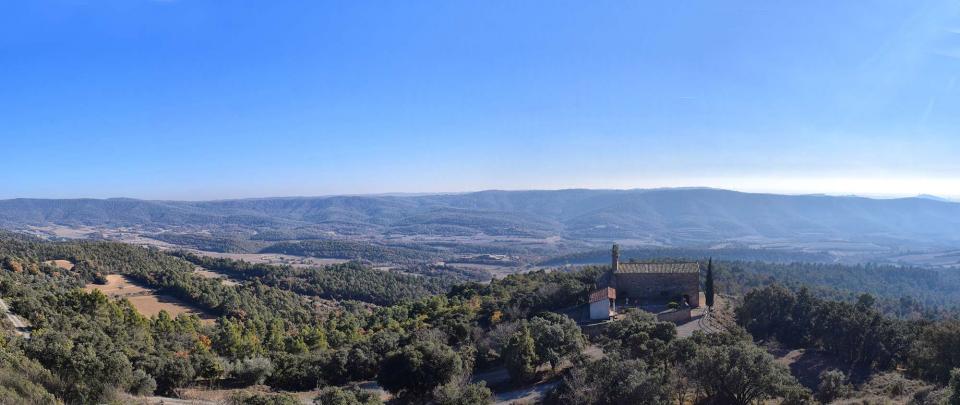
681	315
595	329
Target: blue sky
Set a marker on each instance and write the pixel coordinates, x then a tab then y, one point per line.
193	99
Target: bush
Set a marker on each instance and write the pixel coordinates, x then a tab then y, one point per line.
413	371
352	395
142	383
833	385
257	398
556	337
931	396
297	372
99	278
462	393
252	371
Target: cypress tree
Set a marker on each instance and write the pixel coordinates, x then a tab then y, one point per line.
708	285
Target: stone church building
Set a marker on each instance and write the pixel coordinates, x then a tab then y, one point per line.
650	286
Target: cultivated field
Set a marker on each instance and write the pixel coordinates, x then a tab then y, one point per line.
146	300
63	264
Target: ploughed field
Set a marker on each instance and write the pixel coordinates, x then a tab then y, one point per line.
63	264
147	301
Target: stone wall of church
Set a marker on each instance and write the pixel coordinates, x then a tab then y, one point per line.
654	287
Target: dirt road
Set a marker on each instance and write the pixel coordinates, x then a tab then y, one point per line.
21	326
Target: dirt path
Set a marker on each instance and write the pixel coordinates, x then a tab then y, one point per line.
498	378
526	395
708	320
21	325
169	401
699	321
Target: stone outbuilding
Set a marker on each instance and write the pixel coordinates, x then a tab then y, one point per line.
603	303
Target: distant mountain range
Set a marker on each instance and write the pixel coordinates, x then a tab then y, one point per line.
935	198
668	217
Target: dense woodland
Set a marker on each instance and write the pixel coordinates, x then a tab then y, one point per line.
906	292
211	243
422	339
348	281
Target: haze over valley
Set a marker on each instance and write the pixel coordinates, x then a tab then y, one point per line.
521	227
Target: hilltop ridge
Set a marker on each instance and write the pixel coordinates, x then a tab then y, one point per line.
667	217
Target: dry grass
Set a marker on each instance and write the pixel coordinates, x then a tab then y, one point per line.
200	271
150	305
146	300
61	231
885	388
63	264
219	395
118	286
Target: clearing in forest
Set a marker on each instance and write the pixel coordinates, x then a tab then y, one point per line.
202	272
63	264
147	301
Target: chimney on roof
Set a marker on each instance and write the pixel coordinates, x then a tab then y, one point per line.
615	256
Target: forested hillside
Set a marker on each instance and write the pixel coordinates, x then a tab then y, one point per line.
672	217
863	339
599	256
88	348
907	292
349	281
427	335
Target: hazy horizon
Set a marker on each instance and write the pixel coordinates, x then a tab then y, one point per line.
948	198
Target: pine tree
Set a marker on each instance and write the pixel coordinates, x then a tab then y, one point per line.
708	285
520	356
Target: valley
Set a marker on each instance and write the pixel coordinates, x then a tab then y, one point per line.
299	299
522	228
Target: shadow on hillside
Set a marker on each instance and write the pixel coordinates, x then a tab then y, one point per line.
807	365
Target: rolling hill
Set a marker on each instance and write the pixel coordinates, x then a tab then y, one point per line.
668	217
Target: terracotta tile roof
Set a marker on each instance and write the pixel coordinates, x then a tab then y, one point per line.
603	294
690	267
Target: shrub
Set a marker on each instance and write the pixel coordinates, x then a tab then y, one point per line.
833	385
252	371
257	398
462	393
351	395
142	383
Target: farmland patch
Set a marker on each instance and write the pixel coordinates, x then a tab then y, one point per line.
147	301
